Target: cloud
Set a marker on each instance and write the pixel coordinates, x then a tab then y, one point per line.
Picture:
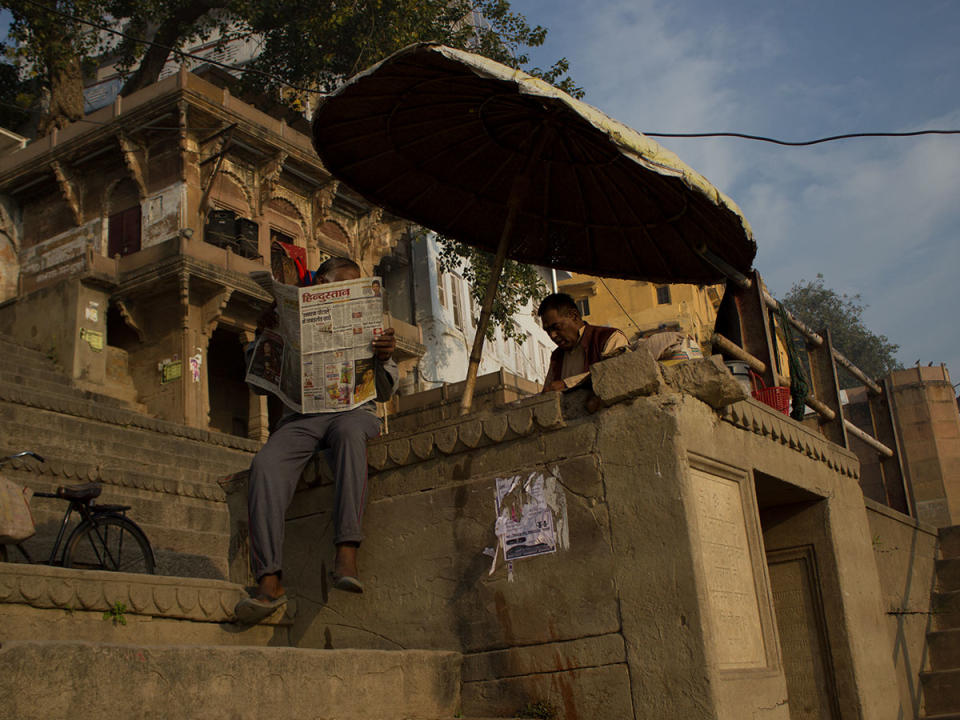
878	217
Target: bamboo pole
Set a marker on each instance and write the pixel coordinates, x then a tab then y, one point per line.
731	348
868	439
518	192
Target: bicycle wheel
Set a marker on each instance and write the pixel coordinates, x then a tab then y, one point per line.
109	542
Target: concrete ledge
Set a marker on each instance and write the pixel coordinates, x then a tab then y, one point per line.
469	432
92	681
874	506
195	599
760	419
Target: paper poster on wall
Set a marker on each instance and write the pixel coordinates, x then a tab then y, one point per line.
93	338
170	371
531	517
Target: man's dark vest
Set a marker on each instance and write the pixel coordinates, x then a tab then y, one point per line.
593	340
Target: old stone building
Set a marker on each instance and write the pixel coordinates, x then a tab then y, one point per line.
127	240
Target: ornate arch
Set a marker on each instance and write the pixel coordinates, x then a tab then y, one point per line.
236	179
300	219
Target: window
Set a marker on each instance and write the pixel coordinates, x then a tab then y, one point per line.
663	294
441	285
123	232
456	292
584	307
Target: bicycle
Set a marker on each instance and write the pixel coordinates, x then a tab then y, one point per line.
105	538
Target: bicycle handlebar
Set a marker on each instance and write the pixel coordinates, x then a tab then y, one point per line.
20	454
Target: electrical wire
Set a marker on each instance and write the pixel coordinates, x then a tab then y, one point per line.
802	143
280	81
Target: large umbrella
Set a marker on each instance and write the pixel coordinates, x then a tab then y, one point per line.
501	160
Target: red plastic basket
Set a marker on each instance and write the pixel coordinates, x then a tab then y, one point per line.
776	397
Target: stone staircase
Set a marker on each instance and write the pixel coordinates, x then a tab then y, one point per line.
168	473
89	644
941	684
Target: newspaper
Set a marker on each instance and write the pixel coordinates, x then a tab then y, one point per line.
319	358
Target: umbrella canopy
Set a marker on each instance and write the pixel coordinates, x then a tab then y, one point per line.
440	136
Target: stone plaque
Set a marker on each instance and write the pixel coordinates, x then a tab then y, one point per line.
802	635
728	568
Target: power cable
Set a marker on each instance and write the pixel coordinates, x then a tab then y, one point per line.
802	143
280	81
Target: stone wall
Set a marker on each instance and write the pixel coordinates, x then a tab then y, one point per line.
694	534
906	552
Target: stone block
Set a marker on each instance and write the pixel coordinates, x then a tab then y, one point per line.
551	657
941	692
705	381
625	376
600	692
90	681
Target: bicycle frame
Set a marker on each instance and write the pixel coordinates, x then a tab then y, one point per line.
86	515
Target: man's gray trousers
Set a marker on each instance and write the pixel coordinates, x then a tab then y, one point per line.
277	467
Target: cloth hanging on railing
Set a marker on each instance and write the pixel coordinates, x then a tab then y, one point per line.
799	385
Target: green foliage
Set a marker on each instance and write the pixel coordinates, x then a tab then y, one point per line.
117	613
310	44
518	284
539	710
820	307
16	97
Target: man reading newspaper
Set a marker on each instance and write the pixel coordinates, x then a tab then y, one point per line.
330	406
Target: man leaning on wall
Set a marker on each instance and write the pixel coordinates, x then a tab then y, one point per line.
579	344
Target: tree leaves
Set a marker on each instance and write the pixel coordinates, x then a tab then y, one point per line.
821	307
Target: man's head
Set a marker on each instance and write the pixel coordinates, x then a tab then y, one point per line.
561	320
335	269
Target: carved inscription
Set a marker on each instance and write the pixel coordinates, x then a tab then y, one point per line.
731	586
802	635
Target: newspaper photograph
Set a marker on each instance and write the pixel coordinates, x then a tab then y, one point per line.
319	358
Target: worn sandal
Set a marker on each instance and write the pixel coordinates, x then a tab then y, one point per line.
346	582
251	610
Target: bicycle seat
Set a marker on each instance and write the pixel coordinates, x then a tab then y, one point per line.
81	493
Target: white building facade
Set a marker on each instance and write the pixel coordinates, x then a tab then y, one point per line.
447	317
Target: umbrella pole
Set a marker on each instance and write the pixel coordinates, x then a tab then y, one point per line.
486	309
518	192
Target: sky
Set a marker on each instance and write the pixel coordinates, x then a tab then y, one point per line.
877	217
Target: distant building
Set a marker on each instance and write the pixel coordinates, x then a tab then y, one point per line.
127	239
641	308
447	316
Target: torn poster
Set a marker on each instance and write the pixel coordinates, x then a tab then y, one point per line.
531	516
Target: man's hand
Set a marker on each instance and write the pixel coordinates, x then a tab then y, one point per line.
384	344
555	385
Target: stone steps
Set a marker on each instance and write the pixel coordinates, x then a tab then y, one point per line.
236	682
941	691
946	610
950	542
944	647
948	574
25	367
941	683
124	448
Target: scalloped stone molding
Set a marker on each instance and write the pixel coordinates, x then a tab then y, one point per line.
83	472
542	412
755	417
179	598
